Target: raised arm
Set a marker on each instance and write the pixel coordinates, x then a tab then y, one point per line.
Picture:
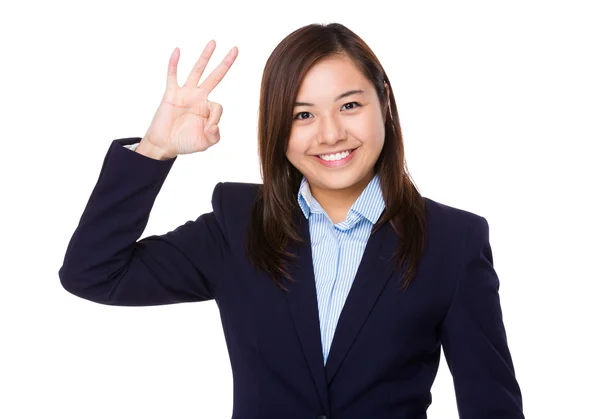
106	264
104	261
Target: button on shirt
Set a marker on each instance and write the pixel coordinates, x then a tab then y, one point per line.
337	250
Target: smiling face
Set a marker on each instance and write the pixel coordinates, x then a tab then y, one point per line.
338	128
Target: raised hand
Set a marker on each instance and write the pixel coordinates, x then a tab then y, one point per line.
186	121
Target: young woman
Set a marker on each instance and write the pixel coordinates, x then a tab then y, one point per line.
337	282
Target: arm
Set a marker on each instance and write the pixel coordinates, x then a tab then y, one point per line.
106	264
474	338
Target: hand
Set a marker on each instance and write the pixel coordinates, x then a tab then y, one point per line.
186	121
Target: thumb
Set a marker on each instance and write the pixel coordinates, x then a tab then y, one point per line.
216	110
212	133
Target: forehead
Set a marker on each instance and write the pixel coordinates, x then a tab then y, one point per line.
331	76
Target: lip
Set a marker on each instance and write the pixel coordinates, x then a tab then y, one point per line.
337	163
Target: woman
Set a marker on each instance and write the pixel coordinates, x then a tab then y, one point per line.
337	223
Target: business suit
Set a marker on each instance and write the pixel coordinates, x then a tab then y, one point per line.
386	348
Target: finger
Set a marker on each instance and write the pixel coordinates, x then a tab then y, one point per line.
194	77
212	134
219	72
216	110
172	70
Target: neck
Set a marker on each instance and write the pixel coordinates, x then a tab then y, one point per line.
338	202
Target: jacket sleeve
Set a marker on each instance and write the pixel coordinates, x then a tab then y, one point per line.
106	263
474	338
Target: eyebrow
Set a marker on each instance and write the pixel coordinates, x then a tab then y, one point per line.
343	95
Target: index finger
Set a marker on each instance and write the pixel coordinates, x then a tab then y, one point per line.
219	72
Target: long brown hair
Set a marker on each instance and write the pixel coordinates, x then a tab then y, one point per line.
272	223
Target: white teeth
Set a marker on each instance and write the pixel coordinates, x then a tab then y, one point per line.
334	157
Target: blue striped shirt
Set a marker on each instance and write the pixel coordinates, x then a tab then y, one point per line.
337	250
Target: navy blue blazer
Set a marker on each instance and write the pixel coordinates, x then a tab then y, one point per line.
386	349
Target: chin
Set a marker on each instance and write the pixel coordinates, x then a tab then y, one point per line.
335	181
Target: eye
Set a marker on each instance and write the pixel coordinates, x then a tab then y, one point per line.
354	107
300	113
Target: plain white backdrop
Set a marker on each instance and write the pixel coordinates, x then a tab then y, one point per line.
500	112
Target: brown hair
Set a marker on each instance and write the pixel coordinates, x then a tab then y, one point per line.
272	221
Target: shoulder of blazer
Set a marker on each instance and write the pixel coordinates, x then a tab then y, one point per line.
232	204
455	238
438	210
447	224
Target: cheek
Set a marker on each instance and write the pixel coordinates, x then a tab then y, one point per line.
370	131
295	148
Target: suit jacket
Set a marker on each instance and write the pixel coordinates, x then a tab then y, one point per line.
386	349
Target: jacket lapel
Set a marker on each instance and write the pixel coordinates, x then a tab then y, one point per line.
302	302
375	269
374	272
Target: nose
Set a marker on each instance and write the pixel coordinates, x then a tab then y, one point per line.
331	130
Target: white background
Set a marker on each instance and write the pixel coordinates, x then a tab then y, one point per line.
500	110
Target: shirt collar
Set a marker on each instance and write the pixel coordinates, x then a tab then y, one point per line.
370	204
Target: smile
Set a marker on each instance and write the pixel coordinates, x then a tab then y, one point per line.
337	159
337	156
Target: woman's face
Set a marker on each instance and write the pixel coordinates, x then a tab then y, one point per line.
335	141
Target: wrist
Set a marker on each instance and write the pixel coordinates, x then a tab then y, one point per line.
148	149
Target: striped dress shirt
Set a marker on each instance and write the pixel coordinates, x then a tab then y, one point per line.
337	250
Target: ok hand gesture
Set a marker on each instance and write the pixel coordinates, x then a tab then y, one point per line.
186	121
